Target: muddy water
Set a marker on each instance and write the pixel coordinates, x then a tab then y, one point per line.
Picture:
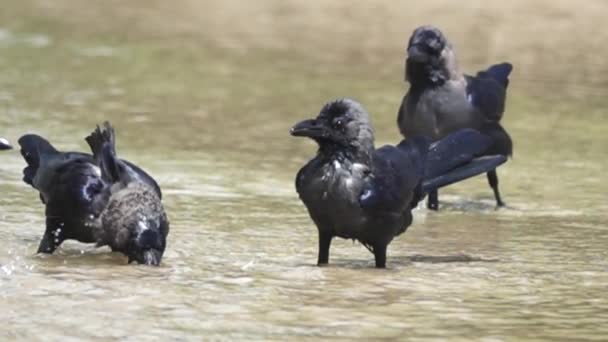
208	116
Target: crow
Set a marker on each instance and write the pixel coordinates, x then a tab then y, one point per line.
71	187
354	191
5	145
134	221
442	100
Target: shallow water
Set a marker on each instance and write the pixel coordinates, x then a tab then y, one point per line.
208	113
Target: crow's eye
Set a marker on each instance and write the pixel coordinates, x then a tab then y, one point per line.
338	124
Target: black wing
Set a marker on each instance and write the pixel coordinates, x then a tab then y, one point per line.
455	158
396	175
76	189
487	91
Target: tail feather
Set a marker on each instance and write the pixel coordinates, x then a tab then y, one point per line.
102	143
33	149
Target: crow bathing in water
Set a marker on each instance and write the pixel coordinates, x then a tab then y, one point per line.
442	100
81	192
134	220
355	191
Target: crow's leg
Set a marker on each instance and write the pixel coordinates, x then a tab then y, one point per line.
324	243
493	180
380	255
54	235
433	200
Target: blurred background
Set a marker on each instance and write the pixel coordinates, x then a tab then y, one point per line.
203	93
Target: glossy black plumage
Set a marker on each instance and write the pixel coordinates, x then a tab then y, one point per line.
354	191
71	188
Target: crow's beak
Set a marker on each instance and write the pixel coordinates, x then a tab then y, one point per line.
152	257
416	53
309	128
4	144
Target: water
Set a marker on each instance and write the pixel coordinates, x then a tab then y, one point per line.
206	107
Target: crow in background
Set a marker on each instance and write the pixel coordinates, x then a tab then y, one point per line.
442	100
355	191
5	145
72	189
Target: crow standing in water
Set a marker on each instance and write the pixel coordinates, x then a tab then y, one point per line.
355	191
78	190
442	100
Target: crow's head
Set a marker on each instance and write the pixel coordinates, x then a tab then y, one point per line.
134	223
426	43
342	123
4	144
146	242
429	56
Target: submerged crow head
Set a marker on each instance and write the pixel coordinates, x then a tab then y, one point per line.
134	223
147	243
429	56
342	123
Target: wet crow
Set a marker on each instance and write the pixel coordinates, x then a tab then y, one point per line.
442	100
133	221
5	145
72	189
354	191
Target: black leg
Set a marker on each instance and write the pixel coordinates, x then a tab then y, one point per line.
493	180
324	243
47	244
433	200
380	255
53	236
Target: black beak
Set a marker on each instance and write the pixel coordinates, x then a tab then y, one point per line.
4	144
309	128
152	257
416	53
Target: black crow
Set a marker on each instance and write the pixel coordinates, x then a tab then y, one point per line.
71	188
355	191
5	145
134	220
442	100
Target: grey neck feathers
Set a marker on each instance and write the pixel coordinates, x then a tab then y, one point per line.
359	151
435	72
